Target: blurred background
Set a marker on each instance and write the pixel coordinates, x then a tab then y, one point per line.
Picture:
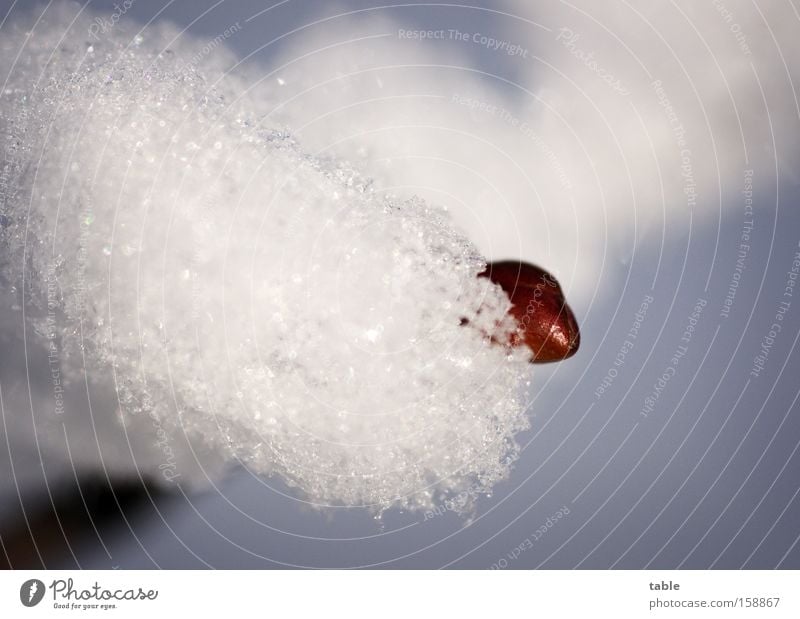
647	154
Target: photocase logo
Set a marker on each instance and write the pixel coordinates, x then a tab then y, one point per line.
31	592
65	595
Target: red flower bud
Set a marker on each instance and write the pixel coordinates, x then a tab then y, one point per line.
546	324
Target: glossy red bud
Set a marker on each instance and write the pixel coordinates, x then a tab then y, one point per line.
546	324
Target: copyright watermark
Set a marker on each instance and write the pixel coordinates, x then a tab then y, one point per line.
525	128
529	542
569	39
102	25
491	43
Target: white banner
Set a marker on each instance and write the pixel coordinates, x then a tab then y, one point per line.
386	594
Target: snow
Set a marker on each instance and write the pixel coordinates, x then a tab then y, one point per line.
168	246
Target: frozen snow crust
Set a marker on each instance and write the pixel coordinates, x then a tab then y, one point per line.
162	236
